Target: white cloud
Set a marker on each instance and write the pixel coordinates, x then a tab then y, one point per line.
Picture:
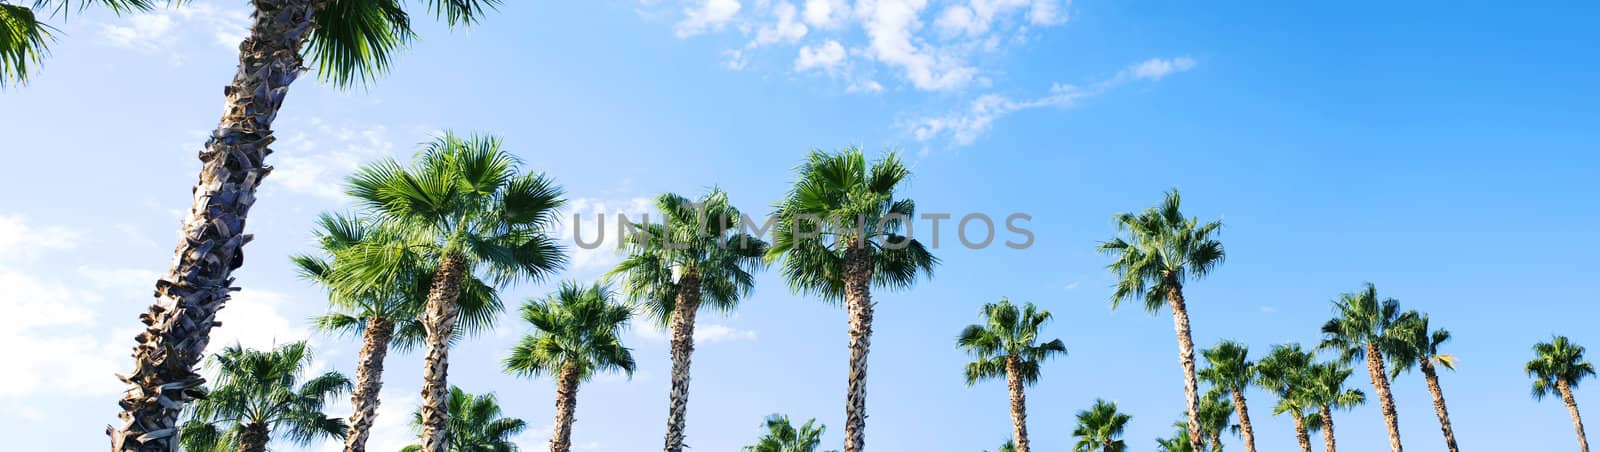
159	29
788	27
253	318
706	15
147	31
597	227
826	56
826	13
20	240
60	347
704	333
734	59
318	163
1157	68
891	27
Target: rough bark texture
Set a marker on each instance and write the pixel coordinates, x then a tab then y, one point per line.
683	314
1300	432
178	325
1327	428
1432	375
858	303
254	438
1180	323
369	381
1245	431
1572	408
1380	383
441	316
1019	404
566	407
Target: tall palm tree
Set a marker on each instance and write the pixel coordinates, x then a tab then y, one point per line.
1322	389
348	41
1557	368
1366	327
1007	345
1420	348
1215	410
577	333
1229	369
258	394
465	208
1162	251
697	257
1280	372
383	316
25	40
1100	428
476	424
851	243
783	436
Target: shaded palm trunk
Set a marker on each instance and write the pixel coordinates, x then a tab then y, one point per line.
1300	432
1380	383
178	325
1180	323
683	314
1439	408
1019	404
369	381
566	408
254	438
1572	408
441	316
858	303
1248	433
1327	428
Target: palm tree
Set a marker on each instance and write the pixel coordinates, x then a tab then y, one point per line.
384	316
1322	389
1007	345
1181	440
1215	409
576	334
465	209
1162	251
1420	348
697	257
1557	367
259	393
852	244
1229	369
1008	446
1280	372
1100	428
1366	327
25	40
349	42
476	424
783	436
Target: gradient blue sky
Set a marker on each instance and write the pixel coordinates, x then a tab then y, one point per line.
1444	151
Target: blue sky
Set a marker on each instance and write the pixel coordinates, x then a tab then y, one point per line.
1444	152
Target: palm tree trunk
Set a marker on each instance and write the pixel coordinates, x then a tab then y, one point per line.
178	325
683	314
858	303
1216	442
1019	404
1327	428
1432	376
1300	432
440	317
1248	433
1380	383
369	381
1180	322
1572	407
254	438
566	408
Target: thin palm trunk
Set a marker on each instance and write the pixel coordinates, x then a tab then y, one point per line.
442	314
1019	402
683	314
858	303
178	325
1380	383
566	408
369	381
1327	428
1432	376
1216	442
1180	323
1248	433
254	438
1572	408
1300	432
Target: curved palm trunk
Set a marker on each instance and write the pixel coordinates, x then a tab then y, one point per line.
566	408
1327	428
1180	323
683	314
858	302
178	325
254	438
1300	432
369	381
1216	442
1248	433
441	316
1432	376
1019	402
1380	383
1572	408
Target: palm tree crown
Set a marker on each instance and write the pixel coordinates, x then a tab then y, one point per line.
1363	319
1279	371
1556	363
576	328
783	436
259	393
1230	367
1162	251
1418	343
476	424
1323	385
1100	428
703	238
1010	333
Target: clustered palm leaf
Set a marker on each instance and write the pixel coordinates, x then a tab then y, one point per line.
701	237
1556	363
1370	328
1230	371
1418	343
1100	429
1010	333
1280	372
576	329
1215	414
476	424
783	436
258	395
1323	386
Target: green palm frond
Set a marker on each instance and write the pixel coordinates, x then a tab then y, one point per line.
1161	251
1557	363
1100	427
255	387
701	238
476	424
577	328
1009	333
1228	366
1362	319
783	436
